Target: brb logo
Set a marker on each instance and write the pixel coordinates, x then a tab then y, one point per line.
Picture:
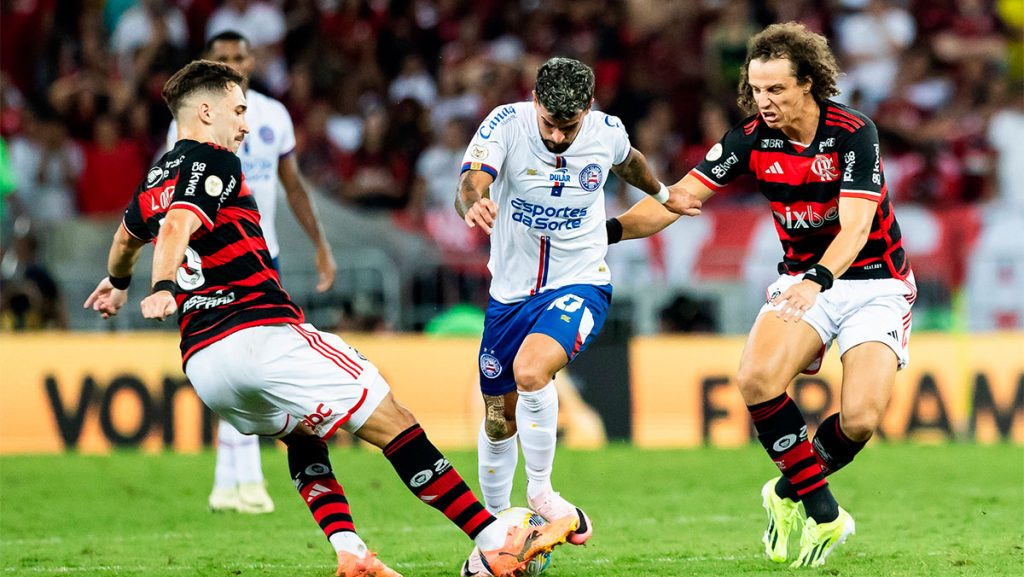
540	217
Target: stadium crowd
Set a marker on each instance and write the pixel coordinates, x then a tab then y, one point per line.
385	94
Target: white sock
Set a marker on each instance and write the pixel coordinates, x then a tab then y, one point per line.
497	462
348	541
224	472
537	420
492	537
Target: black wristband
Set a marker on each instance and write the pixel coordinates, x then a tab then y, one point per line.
821	275
120	282
614	229
164	285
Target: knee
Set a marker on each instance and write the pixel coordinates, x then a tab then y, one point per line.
757	385
531	377
860	424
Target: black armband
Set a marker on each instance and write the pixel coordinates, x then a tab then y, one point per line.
164	285
121	283
614	229
821	275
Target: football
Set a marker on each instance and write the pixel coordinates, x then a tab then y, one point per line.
518	517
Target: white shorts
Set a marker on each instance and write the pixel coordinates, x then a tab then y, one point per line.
265	380
854	312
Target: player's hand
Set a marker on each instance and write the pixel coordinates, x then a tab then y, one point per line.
482	214
159	305
797	300
682	202
326	268
106	299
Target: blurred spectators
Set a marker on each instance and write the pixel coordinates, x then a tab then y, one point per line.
382	92
30	297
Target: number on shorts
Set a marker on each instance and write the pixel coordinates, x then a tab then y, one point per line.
569	303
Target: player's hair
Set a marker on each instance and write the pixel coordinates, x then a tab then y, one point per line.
196	76
808	53
226	36
564	87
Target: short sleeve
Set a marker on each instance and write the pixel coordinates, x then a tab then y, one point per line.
728	159
207	179
489	146
134	222
619	139
861	162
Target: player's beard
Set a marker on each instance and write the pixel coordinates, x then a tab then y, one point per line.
556	148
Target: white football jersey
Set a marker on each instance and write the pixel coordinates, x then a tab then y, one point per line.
550	229
271	137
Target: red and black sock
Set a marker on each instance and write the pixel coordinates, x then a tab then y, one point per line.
783	433
432	478
833	450
311	471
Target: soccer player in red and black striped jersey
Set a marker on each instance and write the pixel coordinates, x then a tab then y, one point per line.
844	273
244	344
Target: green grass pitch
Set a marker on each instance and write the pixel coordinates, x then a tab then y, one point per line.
920	511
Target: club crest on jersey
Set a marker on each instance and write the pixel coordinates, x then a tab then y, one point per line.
824	168
715	153
154	176
490	366
267	134
590	177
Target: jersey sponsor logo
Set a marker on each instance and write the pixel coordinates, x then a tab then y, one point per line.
827	143
213	185
490	366
478	152
590	177
158	202
823	167
153	176
722	168
540	217
266	134
791	218
770	143
202	302
849	160
612	121
317	470
503	115
715	153
561	175
193	179
876	176
421	478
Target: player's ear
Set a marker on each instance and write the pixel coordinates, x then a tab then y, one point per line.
205	112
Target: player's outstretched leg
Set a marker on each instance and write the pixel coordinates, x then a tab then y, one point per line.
310	468
497	451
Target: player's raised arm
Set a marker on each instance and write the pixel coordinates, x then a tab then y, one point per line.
112	292
472	201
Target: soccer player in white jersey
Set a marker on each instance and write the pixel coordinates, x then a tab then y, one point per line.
533	177
268	157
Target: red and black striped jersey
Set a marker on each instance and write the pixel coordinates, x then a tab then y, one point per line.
804	185
226	281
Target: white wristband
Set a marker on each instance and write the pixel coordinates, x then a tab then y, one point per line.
662	195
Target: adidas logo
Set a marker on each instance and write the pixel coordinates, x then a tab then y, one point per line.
775	168
894	336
